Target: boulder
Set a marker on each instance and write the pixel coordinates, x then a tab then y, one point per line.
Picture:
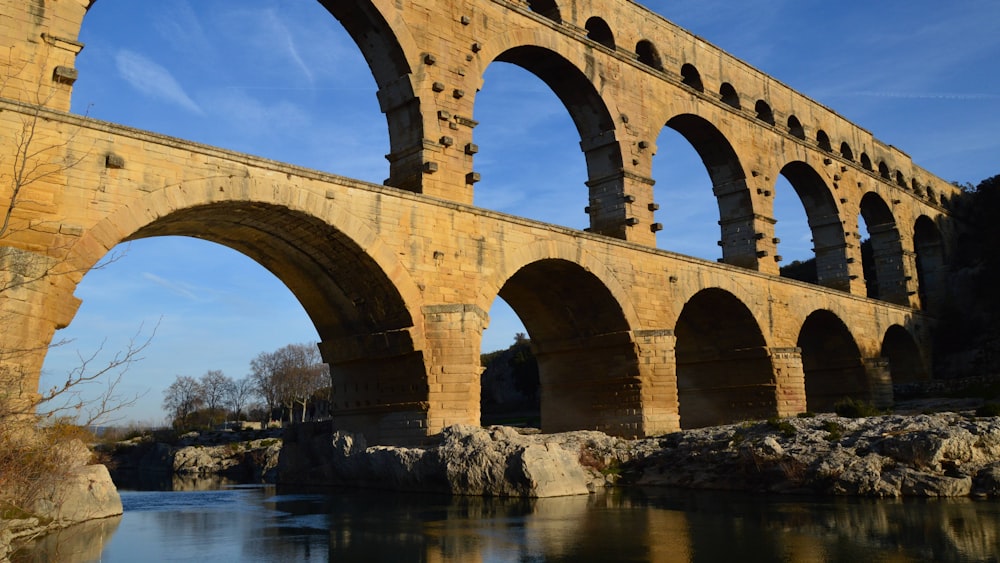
85	493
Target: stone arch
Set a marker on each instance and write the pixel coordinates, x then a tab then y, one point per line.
388	50
588	366
900	179
764	112
546	8
823	140
598	30
883	170
928	245
727	175
824	221
648	54
368	322
724	371
831	362
866	162
885	264
795	128
585	106
905	362
729	95
845	151
691	77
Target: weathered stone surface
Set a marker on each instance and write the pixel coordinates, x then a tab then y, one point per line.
942	455
237	455
86	493
468	460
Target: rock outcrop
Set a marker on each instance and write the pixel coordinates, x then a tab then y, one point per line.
467	460
247	457
945	454
940	455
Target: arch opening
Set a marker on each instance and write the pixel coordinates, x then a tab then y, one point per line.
727	187
234	105
691	77
883	263
764	112
528	189
905	362
545	8
598	30
729	95
587	364
824	224
928	244
845	151
823	140
724	371
648	54
831	362
795	128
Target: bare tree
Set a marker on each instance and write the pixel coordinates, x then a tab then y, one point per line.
214	390
263	372
182	398
289	376
239	395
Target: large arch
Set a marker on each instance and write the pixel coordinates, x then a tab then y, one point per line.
587	363
728	179
928	244
724	371
885	263
825	223
593	122
831	362
368	325
388	52
905	362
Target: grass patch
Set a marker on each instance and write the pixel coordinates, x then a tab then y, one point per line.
786	428
834	431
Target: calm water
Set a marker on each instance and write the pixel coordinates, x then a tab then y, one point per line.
265	524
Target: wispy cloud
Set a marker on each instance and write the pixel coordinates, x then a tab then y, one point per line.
153	80
181	289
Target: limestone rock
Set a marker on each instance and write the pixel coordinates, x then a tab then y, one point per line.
86	493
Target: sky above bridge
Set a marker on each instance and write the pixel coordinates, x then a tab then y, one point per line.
281	79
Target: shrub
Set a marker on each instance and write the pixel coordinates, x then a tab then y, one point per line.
786	428
854	408
836	431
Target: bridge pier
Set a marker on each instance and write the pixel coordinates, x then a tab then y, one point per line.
658	373
879	381
454	334
790	381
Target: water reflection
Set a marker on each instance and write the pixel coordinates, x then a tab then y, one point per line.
263	524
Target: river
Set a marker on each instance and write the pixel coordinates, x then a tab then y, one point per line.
262	523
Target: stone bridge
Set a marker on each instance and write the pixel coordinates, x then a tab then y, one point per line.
398	278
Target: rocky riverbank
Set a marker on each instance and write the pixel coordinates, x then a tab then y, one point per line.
938	455
248	456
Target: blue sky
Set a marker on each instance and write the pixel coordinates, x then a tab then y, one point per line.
281	79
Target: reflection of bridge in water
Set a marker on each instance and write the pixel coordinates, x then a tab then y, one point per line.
398	278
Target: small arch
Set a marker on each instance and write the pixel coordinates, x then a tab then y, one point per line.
831	362
692	77
866	162
845	151
764	112
931	195
905	363
795	127
883	170
914	185
900	180
928	245
545	8
724	371
648	54
729	95
598	30
823	140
